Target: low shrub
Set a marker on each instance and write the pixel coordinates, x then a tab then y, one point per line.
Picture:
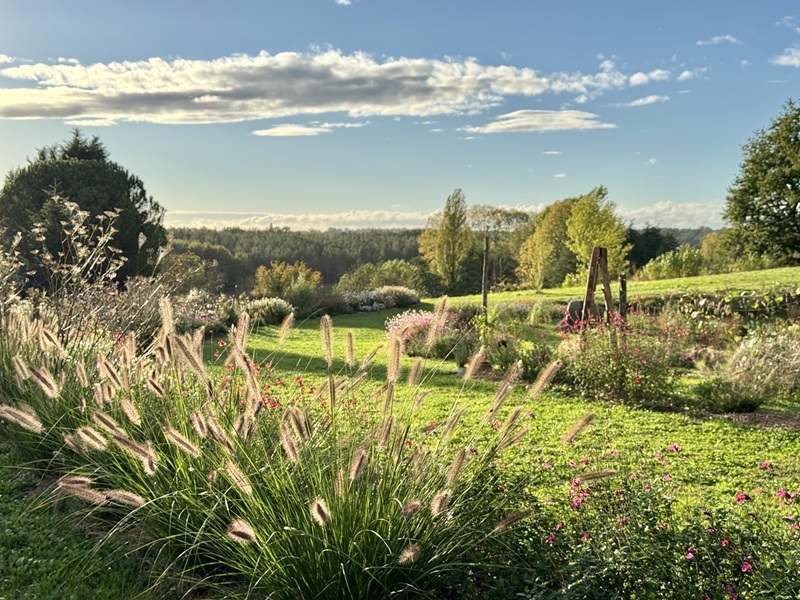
395	296
268	311
622	362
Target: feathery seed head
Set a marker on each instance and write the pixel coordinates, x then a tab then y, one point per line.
576	429
319	511
411	508
511	520
125	497
241	532
181	442
440	502
238	478
326	327
410	554
358	463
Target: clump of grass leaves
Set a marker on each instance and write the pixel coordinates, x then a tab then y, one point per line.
291	496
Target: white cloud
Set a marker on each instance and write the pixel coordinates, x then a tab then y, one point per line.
5	58
551	152
354	219
68	61
291	130
744	63
344	2
643	101
90	122
560	175
644	78
669	214
541	120
505	56
718	39
265	86
790	22
789	58
652	161
691	73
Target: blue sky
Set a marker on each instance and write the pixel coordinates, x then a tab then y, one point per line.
368	113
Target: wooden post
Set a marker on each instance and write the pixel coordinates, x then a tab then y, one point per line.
623	296
485	281
591	284
603	267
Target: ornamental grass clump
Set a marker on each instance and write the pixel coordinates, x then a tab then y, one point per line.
319	489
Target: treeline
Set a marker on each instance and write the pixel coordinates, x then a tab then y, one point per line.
239	252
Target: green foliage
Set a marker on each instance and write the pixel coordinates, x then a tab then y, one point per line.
593	222
684	261
622	362
649	243
295	283
763	203
545	258
447	240
368	276
720	395
78	170
268	311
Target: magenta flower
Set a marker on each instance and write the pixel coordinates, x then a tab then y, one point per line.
725	542
766	465
746	566
690	553
741	497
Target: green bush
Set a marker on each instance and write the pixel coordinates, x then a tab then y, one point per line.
268	311
622	362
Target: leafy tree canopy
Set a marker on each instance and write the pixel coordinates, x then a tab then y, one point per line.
763	203
447	241
594	222
545	259
78	170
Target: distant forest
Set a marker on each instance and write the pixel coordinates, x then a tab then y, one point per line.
239	252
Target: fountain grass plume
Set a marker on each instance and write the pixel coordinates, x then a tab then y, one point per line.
326	330
22	418
576	429
350	349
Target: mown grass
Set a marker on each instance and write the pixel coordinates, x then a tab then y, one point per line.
779	279
50	555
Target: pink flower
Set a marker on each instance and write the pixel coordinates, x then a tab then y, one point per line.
741	497
766	465
674	448
667	477
725	542
548	464
585	536
559	526
690	553
746	566
633	475
550	538
781	493
623	520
